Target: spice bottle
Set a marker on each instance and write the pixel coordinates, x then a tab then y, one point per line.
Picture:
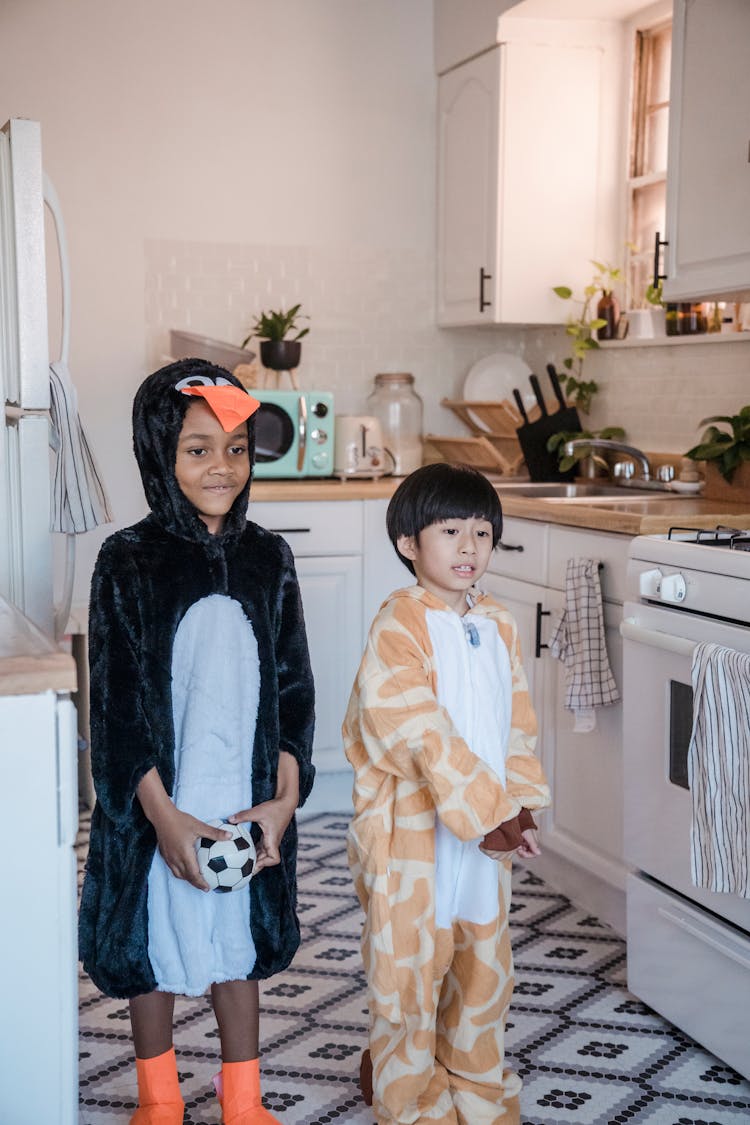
399	408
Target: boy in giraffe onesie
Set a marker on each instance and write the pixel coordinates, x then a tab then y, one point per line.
441	732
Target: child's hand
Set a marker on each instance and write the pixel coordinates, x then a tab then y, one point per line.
272	817
530	846
176	833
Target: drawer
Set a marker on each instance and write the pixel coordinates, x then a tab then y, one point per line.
566	543
528	560
692	968
317	528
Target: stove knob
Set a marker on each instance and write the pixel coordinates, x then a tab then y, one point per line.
673	588
649	583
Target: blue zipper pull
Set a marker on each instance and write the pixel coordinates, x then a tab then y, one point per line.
472	634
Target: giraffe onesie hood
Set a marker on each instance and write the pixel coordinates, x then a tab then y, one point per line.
441	734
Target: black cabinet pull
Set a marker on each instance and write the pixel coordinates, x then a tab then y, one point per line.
540	613
510	546
658	243
482	278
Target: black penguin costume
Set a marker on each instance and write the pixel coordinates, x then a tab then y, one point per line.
147	579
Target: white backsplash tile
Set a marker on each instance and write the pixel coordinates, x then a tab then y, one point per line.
372	310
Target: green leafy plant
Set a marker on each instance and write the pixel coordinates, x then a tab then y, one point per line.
568	460
653	294
581	328
728	449
276	325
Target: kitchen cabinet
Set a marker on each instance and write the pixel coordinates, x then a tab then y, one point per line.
327	541
518	179
581	834
346	567
708	173
39	815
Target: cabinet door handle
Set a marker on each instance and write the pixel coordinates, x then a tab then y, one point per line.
482	278
510	546
540	613
290	530
658	243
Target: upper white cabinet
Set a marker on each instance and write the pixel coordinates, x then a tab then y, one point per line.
708	177
521	202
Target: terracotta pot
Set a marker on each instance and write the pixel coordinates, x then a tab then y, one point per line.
280	355
719	489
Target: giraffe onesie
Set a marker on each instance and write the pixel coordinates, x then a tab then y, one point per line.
441	733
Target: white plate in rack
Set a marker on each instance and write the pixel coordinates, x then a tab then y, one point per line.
493	378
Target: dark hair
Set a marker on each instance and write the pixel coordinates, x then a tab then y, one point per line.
441	492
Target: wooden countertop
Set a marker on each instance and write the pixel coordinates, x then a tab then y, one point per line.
630	517
323	488
29	661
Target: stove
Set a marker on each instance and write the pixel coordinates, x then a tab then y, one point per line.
700	571
688	947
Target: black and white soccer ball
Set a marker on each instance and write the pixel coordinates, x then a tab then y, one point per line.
227	865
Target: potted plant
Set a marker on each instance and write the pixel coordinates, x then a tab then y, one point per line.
726	455
272	328
584	457
582	328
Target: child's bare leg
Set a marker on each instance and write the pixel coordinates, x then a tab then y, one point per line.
236	1006
151	1018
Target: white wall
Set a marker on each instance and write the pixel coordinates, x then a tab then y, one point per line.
274	123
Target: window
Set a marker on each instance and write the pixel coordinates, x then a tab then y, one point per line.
647	170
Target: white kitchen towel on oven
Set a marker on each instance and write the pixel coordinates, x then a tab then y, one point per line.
79	501
719	770
578	640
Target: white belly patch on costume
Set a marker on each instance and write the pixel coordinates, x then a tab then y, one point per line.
196	938
475	685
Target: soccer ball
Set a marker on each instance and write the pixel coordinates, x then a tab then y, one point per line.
226	865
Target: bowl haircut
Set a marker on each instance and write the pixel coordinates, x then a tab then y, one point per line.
441	492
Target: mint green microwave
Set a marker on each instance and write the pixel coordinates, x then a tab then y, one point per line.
293	434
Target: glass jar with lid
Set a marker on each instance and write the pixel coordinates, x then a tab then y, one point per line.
399	409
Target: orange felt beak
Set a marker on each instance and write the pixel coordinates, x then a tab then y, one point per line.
230	405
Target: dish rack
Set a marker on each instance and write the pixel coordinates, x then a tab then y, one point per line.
493	443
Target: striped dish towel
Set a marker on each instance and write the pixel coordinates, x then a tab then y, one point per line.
79	501
578	641
719	770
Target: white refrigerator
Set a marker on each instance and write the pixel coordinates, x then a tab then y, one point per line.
38	735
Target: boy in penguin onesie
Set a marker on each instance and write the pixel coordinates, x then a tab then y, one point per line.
441	734
201	709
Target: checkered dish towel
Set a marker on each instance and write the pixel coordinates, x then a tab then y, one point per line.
578	641
719	770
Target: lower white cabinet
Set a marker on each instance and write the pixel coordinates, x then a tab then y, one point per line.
581	834
585	769
38	940
346	567
331	591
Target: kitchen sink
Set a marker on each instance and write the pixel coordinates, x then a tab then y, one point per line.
580	490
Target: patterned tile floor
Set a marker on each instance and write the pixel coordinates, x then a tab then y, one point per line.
588	1051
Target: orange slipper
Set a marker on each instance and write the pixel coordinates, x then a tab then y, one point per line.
159	1101
238	1091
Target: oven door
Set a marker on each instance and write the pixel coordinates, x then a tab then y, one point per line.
658	645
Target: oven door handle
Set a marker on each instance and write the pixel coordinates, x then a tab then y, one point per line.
630	630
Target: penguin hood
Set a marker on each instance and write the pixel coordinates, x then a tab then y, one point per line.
159	410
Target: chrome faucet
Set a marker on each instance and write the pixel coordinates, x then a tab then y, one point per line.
602	443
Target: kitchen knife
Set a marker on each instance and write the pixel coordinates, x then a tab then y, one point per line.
554	379
520	405
539	396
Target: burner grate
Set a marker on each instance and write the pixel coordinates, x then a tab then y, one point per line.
730	538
